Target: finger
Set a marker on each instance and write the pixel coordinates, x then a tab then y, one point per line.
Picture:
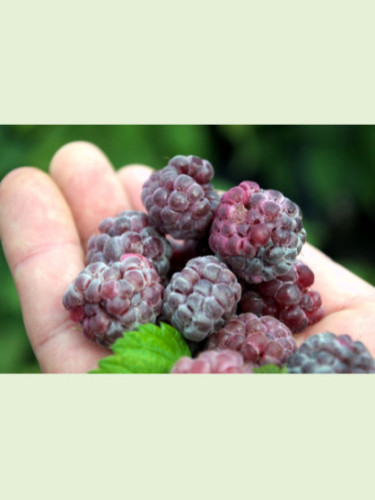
43	249
357	321
89	184
338	287
132	178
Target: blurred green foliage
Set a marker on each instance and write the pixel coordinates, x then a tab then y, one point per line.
328	170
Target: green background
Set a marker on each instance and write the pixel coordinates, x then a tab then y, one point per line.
328	170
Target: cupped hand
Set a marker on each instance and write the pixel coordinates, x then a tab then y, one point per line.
348	301
46	221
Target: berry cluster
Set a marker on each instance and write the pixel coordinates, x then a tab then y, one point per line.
321	353
221	269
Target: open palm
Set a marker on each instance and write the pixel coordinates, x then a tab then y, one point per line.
46	220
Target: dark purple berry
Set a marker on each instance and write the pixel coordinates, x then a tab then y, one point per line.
261	341
183	251
257	232
179	199
129	232
108	299
286	298
201	298
330	353
225	361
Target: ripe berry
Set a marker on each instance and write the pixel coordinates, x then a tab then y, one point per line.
330	353
183	251
180	199
261	341
201	298
109	299
129	232
257	232
226	361
286	297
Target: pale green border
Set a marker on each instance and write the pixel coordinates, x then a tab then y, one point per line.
169	437
270	61
184	437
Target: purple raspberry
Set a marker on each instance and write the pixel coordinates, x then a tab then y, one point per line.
129	232
180	199
261	341
286	298
330	353
257	232
108	299
226	361
201	298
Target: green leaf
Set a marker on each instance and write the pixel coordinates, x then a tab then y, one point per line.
270	369
150	349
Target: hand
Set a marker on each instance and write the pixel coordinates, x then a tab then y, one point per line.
46	220
348	301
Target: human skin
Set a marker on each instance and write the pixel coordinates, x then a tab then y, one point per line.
47	219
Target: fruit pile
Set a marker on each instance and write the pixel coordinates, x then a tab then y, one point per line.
220	269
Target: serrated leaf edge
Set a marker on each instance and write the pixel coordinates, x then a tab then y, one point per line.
163	341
